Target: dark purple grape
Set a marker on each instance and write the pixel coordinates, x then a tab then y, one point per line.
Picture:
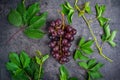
60	32
64	41
52	24
71	39
68	35
74	31
54	34
56	48
68	44
58	22
65	49
67	53
51	30
69	28
52	44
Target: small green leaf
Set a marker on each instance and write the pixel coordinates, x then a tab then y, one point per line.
12	66
83	65
87	50
38	21
103	21
65	10
14	58
87	7
112	36
100	10
22	10
91	63
44	58
95	75
96	67
15	18
106	31
70	15
73	78
34	33
25	59
113	44
38	60
68	5
32	10
79	55
88	43
82	41
63	73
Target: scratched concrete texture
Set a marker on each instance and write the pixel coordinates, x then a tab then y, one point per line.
111	71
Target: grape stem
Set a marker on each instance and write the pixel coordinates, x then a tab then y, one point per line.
93	35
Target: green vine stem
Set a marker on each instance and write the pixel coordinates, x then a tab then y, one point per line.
93	35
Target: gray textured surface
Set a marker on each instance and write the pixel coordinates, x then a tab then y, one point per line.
111	71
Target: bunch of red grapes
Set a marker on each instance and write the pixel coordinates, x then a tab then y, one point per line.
61	36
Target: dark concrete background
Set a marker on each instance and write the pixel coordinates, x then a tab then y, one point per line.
111	71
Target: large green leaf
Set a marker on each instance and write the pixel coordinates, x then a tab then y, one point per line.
87	50
22	10
15	18
14	58
79	55
34	33
88	43
96	67
83	65
107	31
103	21
32	10
91	63
95	75
63	73
38	21
25	59
82	41
12	66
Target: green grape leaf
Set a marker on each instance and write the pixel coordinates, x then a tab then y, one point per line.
73	78
83	65
87	7
103	21
82	41
32	10
12	66
25	59
79	55
91	63
87	50
112	36
38	21
38	60
96	67
70	15
106	31
95	75
65	10
14	58
22	10
45	57
33	33
63	73
15	18
113	44
100	10
87	44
